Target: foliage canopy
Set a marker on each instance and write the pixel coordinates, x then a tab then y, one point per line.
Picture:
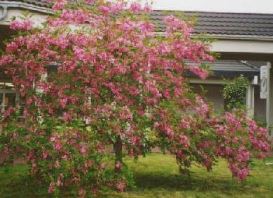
96	74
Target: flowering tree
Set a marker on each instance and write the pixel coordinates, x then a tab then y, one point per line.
95	75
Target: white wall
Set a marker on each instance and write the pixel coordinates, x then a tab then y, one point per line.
213	94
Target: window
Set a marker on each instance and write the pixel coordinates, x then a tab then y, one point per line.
8	96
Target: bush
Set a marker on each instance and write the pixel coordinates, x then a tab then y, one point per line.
235	93
119	84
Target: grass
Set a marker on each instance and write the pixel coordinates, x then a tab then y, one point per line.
157	176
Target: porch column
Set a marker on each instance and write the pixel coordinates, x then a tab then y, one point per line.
250	101
269	100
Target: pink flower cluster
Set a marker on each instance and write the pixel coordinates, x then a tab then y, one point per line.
74	16
202	107
125	114
200	72
165	129
175	24
25	25
232	121
56	142
59	4
258	138
136	7
240	173
238	149
112	8
185	123
184	141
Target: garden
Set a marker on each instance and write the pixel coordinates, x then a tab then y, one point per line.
107	111
157	175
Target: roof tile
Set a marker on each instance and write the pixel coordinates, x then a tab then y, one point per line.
223	23
216	23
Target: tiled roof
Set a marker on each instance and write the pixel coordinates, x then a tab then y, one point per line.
41	3
234	65
232	68
216	23
212	23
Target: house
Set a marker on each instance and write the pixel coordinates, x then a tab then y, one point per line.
243	40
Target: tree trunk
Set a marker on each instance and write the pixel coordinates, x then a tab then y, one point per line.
118	149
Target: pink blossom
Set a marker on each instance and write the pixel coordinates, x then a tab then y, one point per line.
77	16
135	140
184	141
8	112
180	154
5	59
65	157
61	41
117	7
146	27
83	149
60	180
12	47
67	117
207	162
51	187
175	24
90	1
121	186
80	54
45	154
135	7
167	94
243	155
118	166
205	144
82	193
243	173
164	49
152	89
58	145
134	91
202	108
185	123
59	4
233	121
105	9
200	72
125	114
63	102
168	130
220	129
57	164
21	25
228	151
53	138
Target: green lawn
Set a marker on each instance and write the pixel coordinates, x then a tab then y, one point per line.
157	176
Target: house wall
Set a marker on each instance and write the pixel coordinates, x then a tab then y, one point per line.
213	94
259	106
37	16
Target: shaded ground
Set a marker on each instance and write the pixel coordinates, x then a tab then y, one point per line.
157	176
